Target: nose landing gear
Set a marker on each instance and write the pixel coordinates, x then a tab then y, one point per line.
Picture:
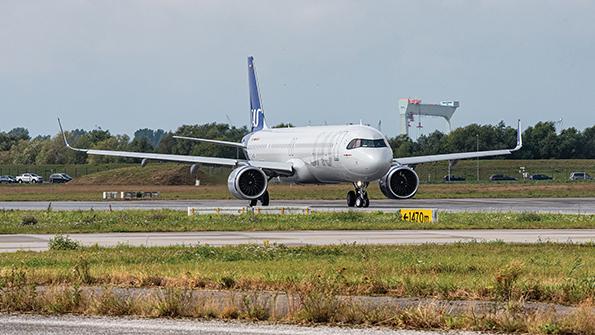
359	197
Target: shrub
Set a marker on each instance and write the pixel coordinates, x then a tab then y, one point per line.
81	272
16	294
28	220
529	217
506	280
63	242
110	303
172	303
61	300
228	282
319	299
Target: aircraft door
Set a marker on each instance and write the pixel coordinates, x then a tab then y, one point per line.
291	147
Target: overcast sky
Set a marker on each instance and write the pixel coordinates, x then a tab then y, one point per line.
124	65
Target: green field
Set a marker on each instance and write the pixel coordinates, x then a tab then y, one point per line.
559	273
62	222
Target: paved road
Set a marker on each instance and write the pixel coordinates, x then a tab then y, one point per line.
551	205
75	325
10	243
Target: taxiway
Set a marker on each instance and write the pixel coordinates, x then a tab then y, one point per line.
541	205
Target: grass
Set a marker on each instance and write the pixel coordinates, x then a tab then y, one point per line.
69	222
558	273
100	281
180	303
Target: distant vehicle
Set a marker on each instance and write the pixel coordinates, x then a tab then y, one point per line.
7	180
453	178
29	178
59	178
540	177
501	177
580	176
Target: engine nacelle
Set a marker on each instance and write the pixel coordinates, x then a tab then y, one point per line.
400	182
247	182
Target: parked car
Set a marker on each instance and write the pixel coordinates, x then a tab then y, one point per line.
7	180
540	177
580	176
453	178
501	177
29	178
58	178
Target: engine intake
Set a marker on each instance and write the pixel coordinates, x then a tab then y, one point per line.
400	182
247	183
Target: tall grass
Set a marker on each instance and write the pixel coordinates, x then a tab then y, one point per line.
558	273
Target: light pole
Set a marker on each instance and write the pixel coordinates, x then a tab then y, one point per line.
477	150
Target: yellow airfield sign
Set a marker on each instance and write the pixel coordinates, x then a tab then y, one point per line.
419	215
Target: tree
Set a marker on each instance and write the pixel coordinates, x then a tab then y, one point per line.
284	125
153	137
540	141
402	146
216	131
569	144
118	142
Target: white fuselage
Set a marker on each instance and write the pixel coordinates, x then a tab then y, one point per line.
321	155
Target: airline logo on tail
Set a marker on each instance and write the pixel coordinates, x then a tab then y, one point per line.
256	113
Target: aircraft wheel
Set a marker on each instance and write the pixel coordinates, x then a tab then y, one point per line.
351	199
253	202
366	201
264	199
359	202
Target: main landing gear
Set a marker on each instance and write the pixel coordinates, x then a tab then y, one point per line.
359	197
264	200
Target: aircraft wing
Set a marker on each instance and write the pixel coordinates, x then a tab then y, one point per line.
279	167
230	144
461	155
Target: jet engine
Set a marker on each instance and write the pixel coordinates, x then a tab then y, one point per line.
247	182
400	182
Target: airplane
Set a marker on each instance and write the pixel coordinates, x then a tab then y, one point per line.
356	154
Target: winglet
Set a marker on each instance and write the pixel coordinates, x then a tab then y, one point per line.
65	140
519	137
62	132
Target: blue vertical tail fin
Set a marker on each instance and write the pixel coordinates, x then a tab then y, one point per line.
256	113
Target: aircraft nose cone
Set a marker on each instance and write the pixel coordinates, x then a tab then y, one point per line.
372	163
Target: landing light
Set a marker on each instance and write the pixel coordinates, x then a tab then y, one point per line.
359	183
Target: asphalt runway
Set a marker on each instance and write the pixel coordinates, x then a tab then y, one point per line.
541	205
83	325
39	242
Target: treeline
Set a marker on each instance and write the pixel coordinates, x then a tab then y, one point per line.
540	142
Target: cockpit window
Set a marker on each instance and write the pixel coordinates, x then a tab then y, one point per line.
366	143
